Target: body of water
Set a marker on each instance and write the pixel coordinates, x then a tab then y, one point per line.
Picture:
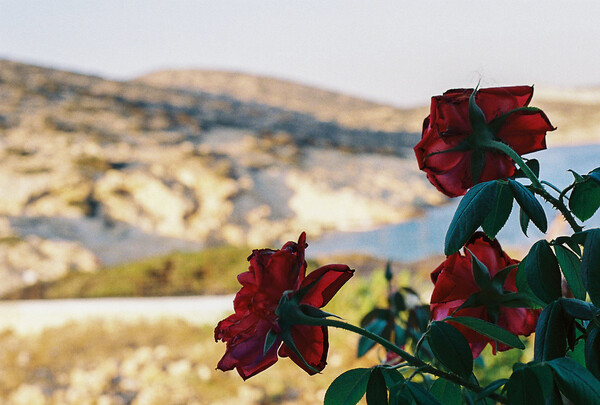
424	236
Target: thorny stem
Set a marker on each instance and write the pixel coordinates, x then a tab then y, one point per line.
559	205
552	186
415	362
536	186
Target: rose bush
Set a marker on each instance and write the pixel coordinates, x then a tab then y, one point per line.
472	141
270	274
450	151
454	283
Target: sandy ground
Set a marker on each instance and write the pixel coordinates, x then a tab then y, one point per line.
32	316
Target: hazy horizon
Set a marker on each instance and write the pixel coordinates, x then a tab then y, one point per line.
396	53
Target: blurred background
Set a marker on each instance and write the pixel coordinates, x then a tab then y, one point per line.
147	146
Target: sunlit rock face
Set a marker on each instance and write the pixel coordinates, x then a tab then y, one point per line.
99	172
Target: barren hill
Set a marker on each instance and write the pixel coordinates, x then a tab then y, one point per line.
98	171
573	110
325	105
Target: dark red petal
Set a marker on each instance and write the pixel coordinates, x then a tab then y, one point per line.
456	181
431	143
245	352
455	283
489	252
519	321
451	115
279	271
525	131
329	279
312	343
496	101
234	325
243	299
497	166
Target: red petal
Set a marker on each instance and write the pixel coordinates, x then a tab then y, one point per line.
432	142
525	131
455	283
235	324
328	280
278	271
519	321
450	113
312	343
497	166
245	352
496	101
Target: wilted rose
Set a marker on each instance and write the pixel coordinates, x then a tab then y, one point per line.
271	273
450	152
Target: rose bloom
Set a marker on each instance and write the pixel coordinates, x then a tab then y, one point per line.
448	125
454	284
272	272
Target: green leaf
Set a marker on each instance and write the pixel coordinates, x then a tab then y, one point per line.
592	352
398	301
364	343
577	308
570	242
376	388
590	265
534	165
490	330
521	280
400	395
529	204
500	212
551	333
571	269
420	395
399	335
381	313
391	376
348	388
585	199
543	273
446	392
419	317
595	175
451	348
472	210
523	221
523	388
575	382
490	388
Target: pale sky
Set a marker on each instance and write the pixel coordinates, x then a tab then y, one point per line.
398	52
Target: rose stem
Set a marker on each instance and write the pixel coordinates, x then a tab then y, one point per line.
537	186
424	367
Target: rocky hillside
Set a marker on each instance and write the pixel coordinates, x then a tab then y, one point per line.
100	172
574	111
347	111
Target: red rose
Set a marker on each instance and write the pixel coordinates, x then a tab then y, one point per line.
448	127
455	283
272	272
